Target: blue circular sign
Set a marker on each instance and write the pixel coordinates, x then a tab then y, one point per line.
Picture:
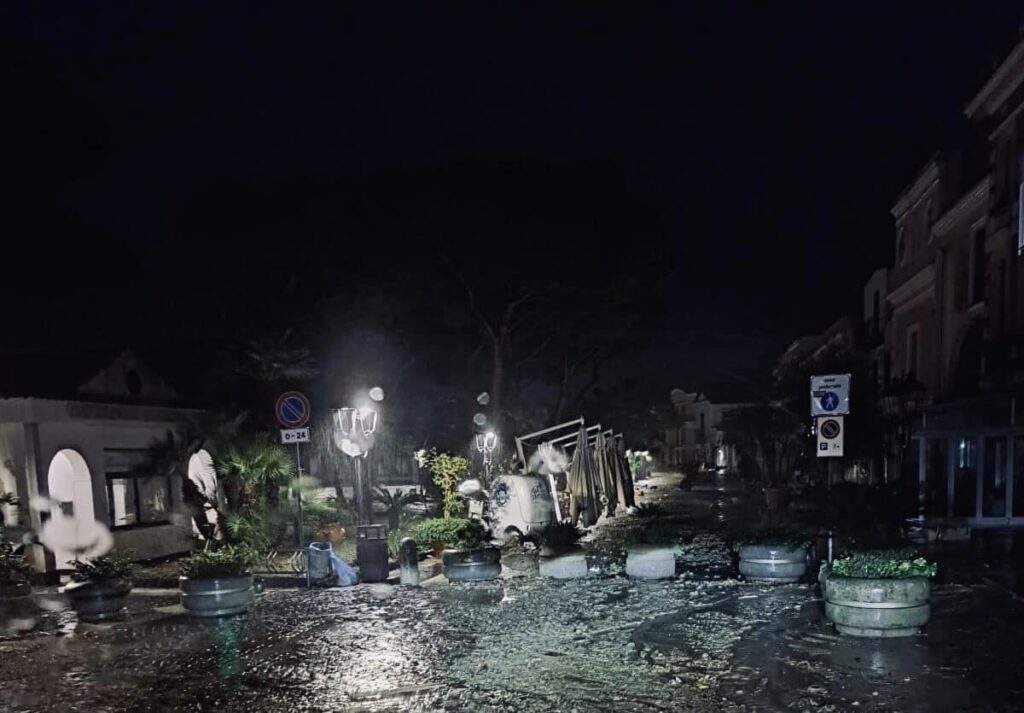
292	409
829	401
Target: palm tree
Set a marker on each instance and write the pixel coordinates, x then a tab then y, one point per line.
394	503
276	361
252	469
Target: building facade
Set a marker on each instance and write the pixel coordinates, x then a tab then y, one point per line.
696	439
953	318
72	462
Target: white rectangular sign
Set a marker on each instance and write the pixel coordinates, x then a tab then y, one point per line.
830	395
831	433
294	435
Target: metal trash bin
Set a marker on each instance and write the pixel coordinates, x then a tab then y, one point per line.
372	553
318	563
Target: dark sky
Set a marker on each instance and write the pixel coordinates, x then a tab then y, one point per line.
770	141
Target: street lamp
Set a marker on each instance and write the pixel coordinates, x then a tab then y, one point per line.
354	429
485	444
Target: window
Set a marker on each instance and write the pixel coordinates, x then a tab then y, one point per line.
978	276
901	245
961	277
912	351
133	498
875	305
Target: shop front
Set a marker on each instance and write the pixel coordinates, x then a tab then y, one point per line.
969	461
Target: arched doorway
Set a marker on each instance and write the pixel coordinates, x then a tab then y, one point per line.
202	474
70	487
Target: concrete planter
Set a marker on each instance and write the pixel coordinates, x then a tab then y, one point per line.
217	596
877	607
650	562
566	565
775	564
98	600
15	590
471	565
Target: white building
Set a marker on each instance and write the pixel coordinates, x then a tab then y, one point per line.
697	438
80	451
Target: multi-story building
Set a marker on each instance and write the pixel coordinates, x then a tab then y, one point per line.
953	318
696	437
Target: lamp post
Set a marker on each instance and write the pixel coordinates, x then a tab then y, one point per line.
485	444
354	429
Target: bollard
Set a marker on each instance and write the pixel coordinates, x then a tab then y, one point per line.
409	562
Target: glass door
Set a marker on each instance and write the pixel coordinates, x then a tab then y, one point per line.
993	484
965	478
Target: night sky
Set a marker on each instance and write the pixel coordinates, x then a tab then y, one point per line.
154	155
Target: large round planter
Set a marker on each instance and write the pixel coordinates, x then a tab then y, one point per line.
566	565
471	565
98	600
216	596
877	607
15	591
650	562
774	564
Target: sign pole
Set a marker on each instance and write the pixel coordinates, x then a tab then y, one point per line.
298	494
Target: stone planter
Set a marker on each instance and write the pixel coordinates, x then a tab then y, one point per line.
471	565
877	607
100	599
570	564
650	562
217	596
15	591
775	564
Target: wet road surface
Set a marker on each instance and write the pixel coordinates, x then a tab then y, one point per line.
702	642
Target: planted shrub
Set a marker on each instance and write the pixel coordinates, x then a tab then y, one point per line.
659	533
649	510
884	564
109	566
457	533
783	537
560	535
229	561
14	568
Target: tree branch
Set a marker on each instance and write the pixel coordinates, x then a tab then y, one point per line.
471	298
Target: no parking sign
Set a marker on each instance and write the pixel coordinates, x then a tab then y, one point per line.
292	409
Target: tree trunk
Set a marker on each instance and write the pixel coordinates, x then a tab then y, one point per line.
497	378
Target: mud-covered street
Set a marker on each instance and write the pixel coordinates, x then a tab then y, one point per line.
703	641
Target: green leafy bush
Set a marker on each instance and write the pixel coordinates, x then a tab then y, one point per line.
455	532
13	567
447	471
788	537
657	532
226	561
649	510
558	535
108	566
884	564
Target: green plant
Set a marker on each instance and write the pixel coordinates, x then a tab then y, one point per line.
227	561
13	567
657	532
558	535
788	537
884	564
253	469
108	566
447	471
455	532
649	510
6	499
394	503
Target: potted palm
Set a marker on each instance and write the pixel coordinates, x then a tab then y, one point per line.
14	572
560	556
99	587
217	582
774	556
466	554
653	556
878	593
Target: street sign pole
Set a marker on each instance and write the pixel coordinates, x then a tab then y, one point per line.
298	494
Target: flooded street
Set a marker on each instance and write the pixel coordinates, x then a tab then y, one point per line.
702	641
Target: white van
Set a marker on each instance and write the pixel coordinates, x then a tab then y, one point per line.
518	506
